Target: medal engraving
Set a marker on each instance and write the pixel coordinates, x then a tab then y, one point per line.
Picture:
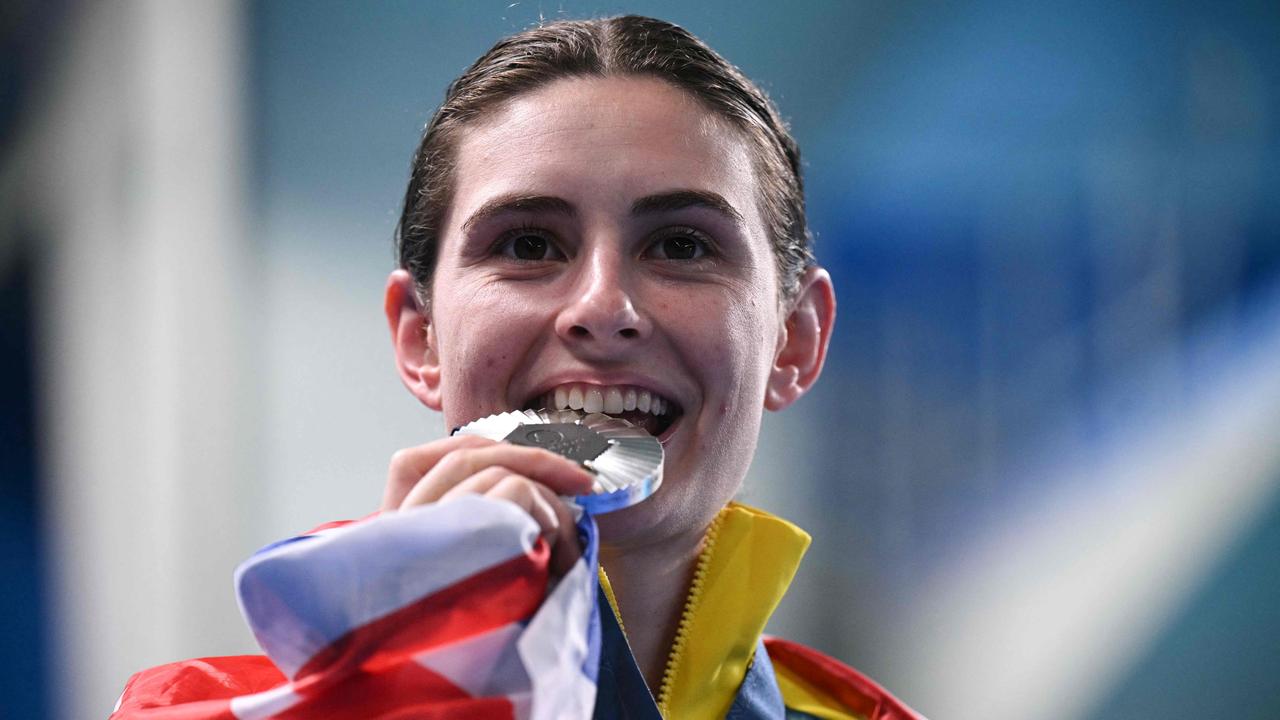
570	440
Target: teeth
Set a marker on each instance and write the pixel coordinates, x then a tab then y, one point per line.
613	400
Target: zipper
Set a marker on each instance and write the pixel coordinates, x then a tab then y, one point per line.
691	603
613	600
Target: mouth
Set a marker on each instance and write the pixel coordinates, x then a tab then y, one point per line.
639	406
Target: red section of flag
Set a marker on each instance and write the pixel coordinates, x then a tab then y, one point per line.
369	672
340	523
400	692
199	689
501	594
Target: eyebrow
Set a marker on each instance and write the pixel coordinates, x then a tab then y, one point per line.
648	205
519	204
681	199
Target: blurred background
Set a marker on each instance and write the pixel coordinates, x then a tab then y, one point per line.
1042	468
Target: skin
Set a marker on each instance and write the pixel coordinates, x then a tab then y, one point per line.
681	300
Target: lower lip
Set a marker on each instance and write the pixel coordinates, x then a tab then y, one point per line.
666	435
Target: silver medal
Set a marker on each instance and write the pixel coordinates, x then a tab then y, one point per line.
626	460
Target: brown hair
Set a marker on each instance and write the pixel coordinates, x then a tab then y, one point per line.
629	45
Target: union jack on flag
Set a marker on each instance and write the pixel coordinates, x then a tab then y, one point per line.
443	611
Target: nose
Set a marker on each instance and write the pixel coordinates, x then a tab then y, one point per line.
601	315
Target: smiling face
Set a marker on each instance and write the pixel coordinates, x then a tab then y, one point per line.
605	247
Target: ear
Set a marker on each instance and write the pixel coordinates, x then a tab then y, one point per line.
802	340
414	339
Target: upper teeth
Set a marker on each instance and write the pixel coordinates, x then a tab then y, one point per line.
605	398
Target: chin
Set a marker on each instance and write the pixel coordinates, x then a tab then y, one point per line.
666	514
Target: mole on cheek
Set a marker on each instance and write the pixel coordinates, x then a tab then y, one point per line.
488	362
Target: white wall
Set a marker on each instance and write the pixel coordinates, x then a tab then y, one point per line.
211	380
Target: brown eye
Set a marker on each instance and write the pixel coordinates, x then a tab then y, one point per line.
530	247
682	246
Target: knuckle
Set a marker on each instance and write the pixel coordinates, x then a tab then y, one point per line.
515	484
455	460
469	443
399	459
494	473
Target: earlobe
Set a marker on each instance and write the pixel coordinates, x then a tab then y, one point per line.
803	340
413	339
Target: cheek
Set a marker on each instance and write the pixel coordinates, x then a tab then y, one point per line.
481	350
736	339
480	319
476	354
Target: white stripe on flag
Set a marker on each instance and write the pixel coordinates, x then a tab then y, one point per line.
556	644
299	597
484	665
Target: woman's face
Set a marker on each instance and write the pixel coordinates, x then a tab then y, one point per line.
605	239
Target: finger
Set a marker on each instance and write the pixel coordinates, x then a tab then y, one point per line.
410	464
554	519
565	547
524	492
552	515
478	484
560	474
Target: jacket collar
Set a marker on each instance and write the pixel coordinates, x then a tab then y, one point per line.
746	565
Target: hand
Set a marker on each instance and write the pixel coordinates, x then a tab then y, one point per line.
532	478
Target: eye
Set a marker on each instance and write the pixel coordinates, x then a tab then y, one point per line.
682	244
528	246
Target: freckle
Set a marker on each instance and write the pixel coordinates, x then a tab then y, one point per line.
488	362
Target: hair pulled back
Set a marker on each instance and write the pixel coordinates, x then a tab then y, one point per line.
619	46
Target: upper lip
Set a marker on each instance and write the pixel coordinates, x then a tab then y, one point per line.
604	380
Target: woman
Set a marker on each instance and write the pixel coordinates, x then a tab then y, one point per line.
607	215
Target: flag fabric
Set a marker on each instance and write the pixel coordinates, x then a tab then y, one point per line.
443	611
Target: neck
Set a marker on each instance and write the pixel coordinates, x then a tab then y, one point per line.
650	583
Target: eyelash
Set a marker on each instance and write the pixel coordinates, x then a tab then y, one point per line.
707	245
501	245
704	242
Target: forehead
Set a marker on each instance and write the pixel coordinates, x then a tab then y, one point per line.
604	140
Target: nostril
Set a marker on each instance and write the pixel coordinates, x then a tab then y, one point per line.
579	332
629	333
